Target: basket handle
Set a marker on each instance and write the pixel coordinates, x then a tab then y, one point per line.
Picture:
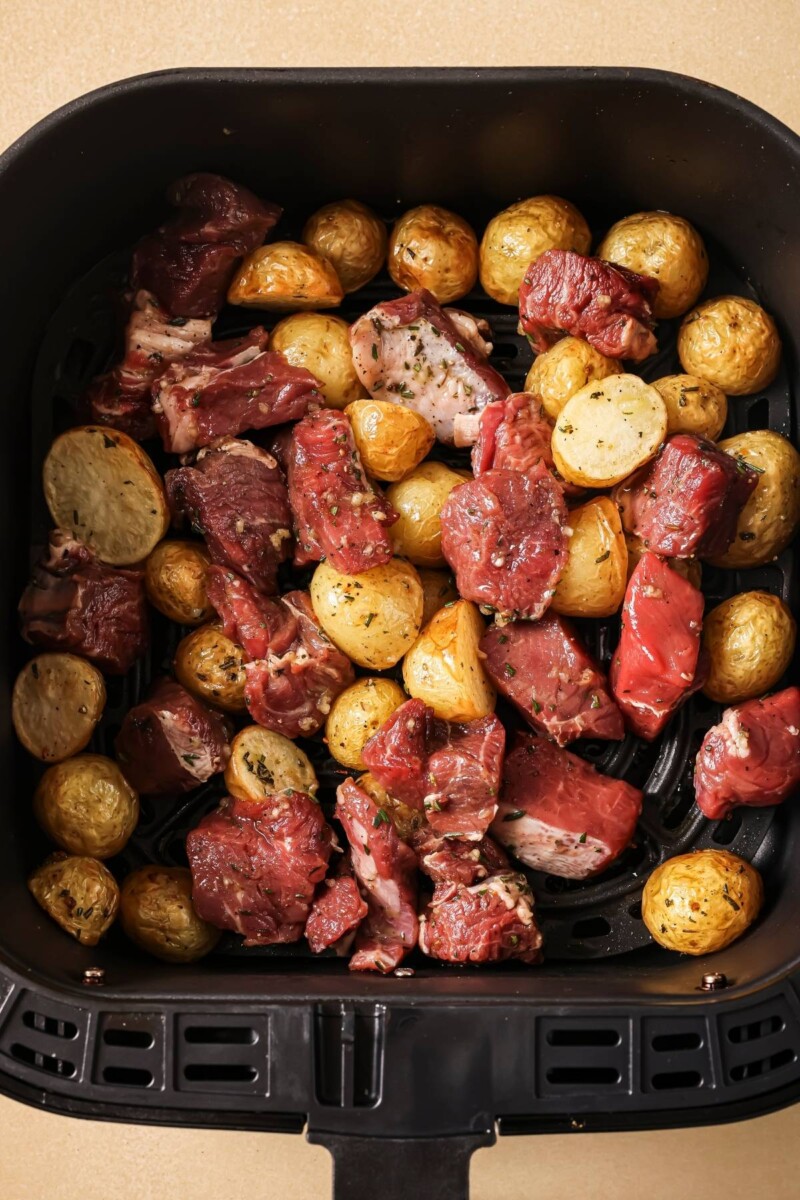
435	1168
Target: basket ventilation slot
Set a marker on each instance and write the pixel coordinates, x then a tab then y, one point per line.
762	1066
50	1025
226	1055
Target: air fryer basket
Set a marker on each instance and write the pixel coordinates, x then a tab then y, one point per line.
610	1032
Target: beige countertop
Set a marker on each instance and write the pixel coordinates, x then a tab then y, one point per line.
53	50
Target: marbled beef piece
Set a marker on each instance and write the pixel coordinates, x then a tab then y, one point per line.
608	306
77	604
504	535
227	387
338	514
515	434
190	260
752	757
171	742
434	360
337	911
488	922
545	670
236	497
658	662
451	860
686	502
256	864
558	814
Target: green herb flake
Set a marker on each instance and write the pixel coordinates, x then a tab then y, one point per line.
381	818
513	816
509	670
582	839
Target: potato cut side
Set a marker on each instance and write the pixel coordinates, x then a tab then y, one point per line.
607	430
444	668
58	699
263	763
101	487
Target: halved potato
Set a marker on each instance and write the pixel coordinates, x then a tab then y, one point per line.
750	640
58	699
78	892
263	762
431	247
730	341
444	669
419	499
557	374
771	517
210	665
438	589
596	574
357	713
285	277
157	914
607	430
373	616
175	579
86	806
515	238
352	237
392	440
101	487
320	342
693	405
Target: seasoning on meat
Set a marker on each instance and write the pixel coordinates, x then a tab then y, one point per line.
515	434
453	860
337	911
488	922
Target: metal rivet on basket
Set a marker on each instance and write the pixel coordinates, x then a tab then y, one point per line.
94	976
713	981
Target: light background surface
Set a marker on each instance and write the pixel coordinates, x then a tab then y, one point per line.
54	50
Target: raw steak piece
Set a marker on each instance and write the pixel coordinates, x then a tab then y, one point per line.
337	911
487	922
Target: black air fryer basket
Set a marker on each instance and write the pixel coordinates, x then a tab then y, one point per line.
611	1032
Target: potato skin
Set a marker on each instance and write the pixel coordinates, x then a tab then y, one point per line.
564	369
157	914
351	236
285	277
693	405
665	247
771	517
405	819
431	247
515	238
438	589
86	806
732	342
391	439
596	574
419	499
357	713
79	893
263	762
175	579
56	704
211	666
320	342
701	902
750	639
443	668
373	617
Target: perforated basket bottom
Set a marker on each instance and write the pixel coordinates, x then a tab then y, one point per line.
580	920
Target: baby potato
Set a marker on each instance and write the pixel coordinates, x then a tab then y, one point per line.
373	617
564	369
391	440
732	342
701	902
433	248
351	237
175	579
357	713
79	893
771	516
263	762
86	806
419	499
405	819
750	641
284	277
57	701
211	666
607	430
519	234
690	569
665	247
438	589
321	343
444	669
693	405
596	574
157	914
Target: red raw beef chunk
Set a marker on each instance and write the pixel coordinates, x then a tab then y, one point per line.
451	860
337	911
488	922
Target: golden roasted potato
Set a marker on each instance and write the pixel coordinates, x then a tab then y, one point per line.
357	713
79	893
596	574
701	902
211	666
419	499
433	248
444	668
690	568
519	234
666	248
693	405
157	914
101	487
263	762
391	439
405	819
607	430
321	343
175	578
284	277
373	617
86	806
352	237
750	641
732	342
57	701
771	517
438	589
564	369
